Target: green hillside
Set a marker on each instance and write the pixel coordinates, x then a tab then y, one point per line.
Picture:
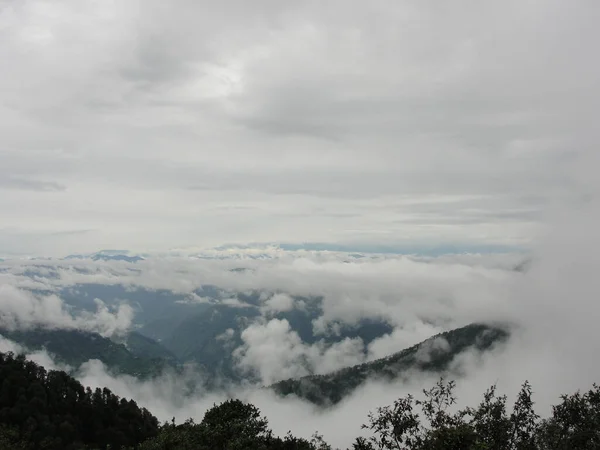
145	347
433	355
74	347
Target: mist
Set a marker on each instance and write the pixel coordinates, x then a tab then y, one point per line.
549	306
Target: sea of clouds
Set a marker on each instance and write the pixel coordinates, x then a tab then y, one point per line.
551	300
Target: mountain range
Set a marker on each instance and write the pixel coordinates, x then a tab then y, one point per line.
143	357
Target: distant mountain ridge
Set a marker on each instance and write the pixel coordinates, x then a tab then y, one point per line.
108	255
137	355
134	354
432	355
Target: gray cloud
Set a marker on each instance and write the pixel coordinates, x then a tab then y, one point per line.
286	110
30	185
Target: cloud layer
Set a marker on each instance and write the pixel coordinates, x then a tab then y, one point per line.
157	125
552	346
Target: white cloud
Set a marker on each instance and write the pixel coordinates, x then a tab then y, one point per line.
226	335
6	345
431	347
275	352
400	338
20	309
279	303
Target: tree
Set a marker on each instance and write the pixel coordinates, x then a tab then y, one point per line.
490	421
9	439
429	424
575	423
51	410
446	431
523	421
399	427
394	427
231	425
234	424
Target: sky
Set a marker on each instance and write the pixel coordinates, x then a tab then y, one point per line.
151	125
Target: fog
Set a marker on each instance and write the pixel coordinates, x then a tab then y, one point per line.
551	305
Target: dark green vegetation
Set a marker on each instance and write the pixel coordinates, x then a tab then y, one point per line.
430	424
51	410
137	355
432	355
228	426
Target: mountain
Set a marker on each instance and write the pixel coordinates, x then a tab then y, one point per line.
108	255
130	259
136	355
188	324
209	337
50	410
431	355
149	305
144	347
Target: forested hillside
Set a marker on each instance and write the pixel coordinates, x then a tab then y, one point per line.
432	355
135	355
51	410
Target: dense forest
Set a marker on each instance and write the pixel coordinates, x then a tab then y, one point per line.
42	409
51	410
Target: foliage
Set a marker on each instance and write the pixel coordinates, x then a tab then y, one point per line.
430	424
51	410
10	440
232	425
575	423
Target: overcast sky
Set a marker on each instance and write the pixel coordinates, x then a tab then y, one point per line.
152	124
